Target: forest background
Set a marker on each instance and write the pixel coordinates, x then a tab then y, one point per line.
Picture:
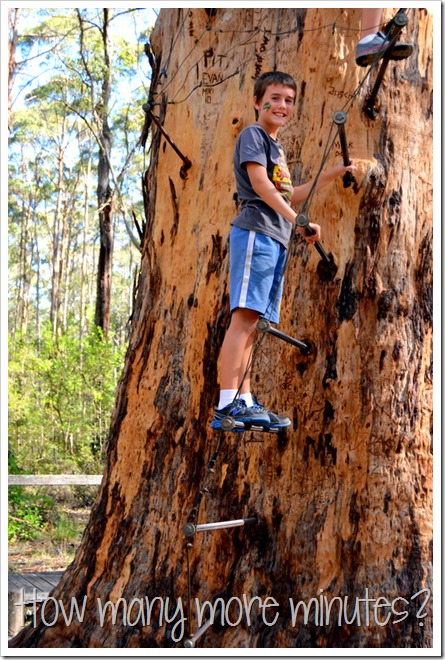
77	81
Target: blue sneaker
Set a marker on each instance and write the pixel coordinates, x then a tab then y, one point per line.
240	413
276	421
366	54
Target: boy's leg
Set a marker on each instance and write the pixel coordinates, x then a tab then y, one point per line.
373	43
249	264
236	350
235	356
253	265
273	314
371	19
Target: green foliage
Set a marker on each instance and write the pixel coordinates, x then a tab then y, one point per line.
65	529
25	520
61	395
62	373
27	511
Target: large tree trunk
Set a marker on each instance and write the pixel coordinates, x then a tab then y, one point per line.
344	499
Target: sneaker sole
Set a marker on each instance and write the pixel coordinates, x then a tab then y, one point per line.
250	426
397	54
258	423
284	425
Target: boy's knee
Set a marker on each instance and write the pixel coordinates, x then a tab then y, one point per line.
247	318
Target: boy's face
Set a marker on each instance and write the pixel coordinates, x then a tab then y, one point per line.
275	108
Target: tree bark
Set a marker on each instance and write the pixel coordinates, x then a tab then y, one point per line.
343	500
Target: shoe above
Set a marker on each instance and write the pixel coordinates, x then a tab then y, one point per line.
366	54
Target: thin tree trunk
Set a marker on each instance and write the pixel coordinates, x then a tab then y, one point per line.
83	268
69	241
38	262
13	18
343	500
25	261
104	192
65	231
56	246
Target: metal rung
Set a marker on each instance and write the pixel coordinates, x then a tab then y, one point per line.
189	643
228	423
189	529
264	325
392	30
302	221
340	119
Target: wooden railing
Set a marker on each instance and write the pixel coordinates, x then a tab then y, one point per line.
54	479
32	587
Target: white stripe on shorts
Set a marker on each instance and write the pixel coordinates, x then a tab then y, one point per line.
247	268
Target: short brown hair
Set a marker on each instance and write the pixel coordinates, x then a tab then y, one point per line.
271	78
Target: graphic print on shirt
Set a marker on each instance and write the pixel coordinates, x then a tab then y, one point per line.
281	177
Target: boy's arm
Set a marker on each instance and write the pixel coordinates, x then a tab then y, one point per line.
265	189
300	193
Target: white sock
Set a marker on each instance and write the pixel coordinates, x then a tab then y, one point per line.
369	37
226	397
247	398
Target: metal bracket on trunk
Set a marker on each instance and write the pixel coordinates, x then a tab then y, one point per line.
392	30
327	267
190	529
264	325
340	119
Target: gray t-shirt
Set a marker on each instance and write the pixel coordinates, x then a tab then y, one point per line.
256	146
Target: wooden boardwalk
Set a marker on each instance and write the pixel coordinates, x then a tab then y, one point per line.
23	590
26	588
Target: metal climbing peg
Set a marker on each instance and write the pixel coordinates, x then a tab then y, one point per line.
190	529
264	325
392	30
340	120
303	222
400	19
327	268
190	642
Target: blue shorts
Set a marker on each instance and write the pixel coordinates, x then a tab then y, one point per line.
256	273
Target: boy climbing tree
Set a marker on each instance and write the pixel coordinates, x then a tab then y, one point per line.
259	239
